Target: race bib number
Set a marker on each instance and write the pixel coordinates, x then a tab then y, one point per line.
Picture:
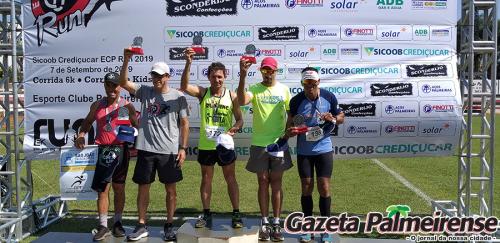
315	134
213	132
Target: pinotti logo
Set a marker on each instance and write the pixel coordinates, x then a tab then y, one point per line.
56	17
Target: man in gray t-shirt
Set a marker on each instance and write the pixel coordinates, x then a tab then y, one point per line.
161	143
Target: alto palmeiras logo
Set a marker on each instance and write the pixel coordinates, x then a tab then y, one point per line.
56	17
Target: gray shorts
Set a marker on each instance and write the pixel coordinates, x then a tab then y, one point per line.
260	161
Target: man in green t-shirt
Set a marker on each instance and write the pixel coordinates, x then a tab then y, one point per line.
270	101
218	105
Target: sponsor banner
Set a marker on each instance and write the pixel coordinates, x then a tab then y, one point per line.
401	89
304	3
61	53
203	71
440	33
432	108
341	90
400	129
377	52
229	53
394	32
345	90
354	71
362	129
436	89
177	54
77	172
429	4
302	52
394	147
293	71
390	5
400	109
350	52
185	34
259	4
329	52
194	108
177	69
322	32
275	51
421	32
437	128
358	32
201	8
254	74
347	6
360	110
279	33
427	70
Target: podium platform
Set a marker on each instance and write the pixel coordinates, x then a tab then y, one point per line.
219	232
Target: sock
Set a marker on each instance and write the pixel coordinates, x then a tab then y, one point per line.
103	220
206	211
307	205
276	220
265	220
236	211
324	205
118	217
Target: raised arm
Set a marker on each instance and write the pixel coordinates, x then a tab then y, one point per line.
237	116
86	124
193	90
124	82
243	97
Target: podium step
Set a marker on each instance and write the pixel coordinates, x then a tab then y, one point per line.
219	232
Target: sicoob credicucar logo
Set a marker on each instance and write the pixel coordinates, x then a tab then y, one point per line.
56	17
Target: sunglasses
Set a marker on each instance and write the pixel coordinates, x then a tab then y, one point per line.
267	71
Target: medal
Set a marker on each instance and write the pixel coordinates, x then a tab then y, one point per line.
123	113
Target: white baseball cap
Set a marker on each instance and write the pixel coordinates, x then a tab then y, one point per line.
160	68
310	75
226	141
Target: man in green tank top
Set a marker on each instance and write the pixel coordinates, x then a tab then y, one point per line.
218	105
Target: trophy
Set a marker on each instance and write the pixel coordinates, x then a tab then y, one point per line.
250	54
137	46
196	46
299	123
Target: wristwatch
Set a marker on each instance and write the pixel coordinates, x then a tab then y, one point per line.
183	148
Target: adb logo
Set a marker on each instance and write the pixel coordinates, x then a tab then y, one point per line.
246	4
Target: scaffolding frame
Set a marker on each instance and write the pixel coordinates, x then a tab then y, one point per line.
476	155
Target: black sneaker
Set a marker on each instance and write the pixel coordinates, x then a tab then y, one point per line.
101	233
118	230
276	233
236	221
265	232
140	232
168	233
203	220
